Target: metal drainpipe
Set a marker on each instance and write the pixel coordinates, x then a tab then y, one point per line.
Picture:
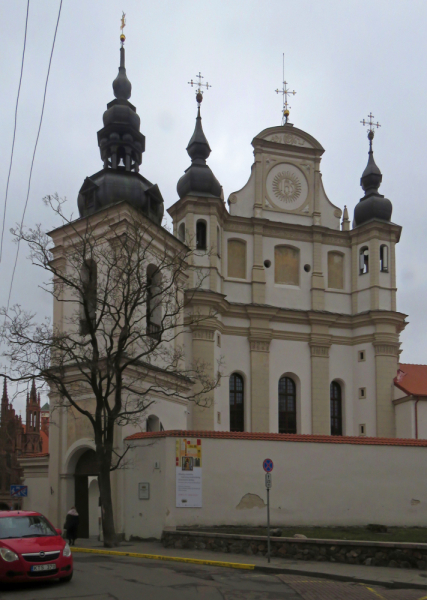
416	418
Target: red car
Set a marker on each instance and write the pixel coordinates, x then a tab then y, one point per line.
32	549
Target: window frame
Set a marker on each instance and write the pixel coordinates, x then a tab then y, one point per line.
364	260
298	251
243	243
287	415
201	240
384	260
336	412
237	417
342	256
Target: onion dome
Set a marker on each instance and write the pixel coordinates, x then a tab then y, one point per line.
121	146
198	179
373	205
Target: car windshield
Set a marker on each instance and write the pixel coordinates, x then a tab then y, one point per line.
21	527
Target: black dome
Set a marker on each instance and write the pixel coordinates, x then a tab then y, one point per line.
111	186
373	205
198	179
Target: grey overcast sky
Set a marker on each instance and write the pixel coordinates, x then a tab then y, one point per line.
345	59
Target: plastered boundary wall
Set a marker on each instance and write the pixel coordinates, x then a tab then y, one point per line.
319	482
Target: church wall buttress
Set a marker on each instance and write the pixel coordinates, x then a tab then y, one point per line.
386	363
203	417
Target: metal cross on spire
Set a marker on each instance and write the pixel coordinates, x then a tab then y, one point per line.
199	85
122	26
285	92
371	131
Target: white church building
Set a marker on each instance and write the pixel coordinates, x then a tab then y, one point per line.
305	324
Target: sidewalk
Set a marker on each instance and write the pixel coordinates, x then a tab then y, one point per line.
397	578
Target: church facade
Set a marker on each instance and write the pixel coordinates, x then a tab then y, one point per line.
301	301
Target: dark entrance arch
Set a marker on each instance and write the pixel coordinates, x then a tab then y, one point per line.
85	467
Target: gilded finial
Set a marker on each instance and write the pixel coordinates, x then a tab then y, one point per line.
199	85
285	92
122	26
371	131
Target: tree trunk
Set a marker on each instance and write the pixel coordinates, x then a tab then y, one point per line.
110	538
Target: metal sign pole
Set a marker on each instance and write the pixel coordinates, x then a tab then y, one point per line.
268	524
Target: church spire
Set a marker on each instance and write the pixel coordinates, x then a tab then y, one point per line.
121	85
198	179
373	205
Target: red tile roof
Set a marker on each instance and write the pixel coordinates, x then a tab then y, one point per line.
279	437
412	379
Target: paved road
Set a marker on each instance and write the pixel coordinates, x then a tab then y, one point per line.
120	578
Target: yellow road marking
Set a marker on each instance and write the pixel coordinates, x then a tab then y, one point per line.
376	593
196	561
423	598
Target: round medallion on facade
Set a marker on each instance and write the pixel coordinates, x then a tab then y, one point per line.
286	186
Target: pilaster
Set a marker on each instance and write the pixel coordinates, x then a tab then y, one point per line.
204	351
354	276
258	271
213	257
259	343
386	362
317	279
374	268
393	275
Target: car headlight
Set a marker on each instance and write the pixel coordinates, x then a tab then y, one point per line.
8	555
66	551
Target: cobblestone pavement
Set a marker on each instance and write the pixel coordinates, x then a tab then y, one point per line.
310	588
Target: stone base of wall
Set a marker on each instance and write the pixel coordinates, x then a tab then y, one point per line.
376	554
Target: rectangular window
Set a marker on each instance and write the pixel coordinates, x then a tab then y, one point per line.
237	259
286	265
218	418
362	392
361	355
362	429
218	340
336	270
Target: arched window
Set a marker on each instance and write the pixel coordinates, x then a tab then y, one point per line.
218	242
236	250
153	423
287	405
384	258
154	299
335	270
181	232
364	260
201	242
286	265
88	277
336	409
237	414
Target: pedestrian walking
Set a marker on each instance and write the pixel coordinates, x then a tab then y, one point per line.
71	525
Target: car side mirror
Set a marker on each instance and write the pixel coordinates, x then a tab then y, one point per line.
59	531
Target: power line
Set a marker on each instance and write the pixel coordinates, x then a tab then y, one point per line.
34	154
14	130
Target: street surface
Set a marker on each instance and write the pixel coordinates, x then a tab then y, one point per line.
100	577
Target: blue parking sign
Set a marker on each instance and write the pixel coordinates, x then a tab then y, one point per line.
18	491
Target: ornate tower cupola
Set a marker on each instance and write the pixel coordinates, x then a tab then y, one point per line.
121	146
373	205
198	179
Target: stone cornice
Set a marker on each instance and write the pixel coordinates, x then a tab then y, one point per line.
198	205
375	229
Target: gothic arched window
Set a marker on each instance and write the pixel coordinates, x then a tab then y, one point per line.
287	405
237	408
336	409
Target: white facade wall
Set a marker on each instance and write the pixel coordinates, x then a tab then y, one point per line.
326	484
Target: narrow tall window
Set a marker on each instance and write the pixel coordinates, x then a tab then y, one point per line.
336	409
88	276
218	242
335	270
286	265
154	307
237	408
236	250
384	258
181	232
364	260
201	235
287	405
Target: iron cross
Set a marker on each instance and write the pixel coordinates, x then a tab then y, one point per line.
285	92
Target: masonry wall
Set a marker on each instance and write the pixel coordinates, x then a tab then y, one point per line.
314	483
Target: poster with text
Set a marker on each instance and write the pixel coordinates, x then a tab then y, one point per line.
188	465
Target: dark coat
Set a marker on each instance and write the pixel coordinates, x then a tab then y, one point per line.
71	525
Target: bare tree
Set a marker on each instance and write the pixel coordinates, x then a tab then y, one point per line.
124	287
